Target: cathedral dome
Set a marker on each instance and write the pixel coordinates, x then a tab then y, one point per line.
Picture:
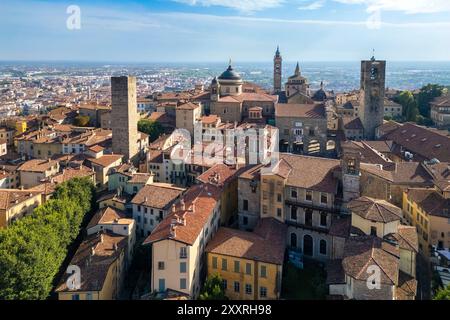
320	94
230	74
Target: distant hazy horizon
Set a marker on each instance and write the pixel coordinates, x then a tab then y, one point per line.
338	75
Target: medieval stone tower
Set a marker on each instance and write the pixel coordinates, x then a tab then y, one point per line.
373	84
124	117
277	71
351	174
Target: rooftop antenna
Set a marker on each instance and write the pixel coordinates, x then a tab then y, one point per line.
373	54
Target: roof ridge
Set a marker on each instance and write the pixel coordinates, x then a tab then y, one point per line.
378	264
379	211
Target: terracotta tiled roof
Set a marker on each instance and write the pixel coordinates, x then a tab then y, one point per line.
362	252
140	178
109	215
407	287
383	146
106	160
407	238
96	148
266	243
402	173
352	123
320	179
375	210
157	195
442	101
388	126
430	201
95	265
210	119
188	106
251	172
71	173
440	173
37	165
220	174
11	197
256	96
199	204
315	111
424	142
369	155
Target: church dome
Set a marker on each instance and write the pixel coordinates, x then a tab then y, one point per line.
230	74
320	95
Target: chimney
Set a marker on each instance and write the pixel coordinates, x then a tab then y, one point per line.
174	208
92	251
173	232
101	238
183	205
115	247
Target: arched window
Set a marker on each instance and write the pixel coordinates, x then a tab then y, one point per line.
293	240
308	245
308	217
323	247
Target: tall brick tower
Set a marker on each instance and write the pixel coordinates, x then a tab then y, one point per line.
124	117
373	84
277	71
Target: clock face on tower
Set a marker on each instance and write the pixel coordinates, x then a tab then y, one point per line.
373	73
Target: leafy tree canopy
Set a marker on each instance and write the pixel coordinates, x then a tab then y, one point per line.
33	248
153	128
82	121
213	289
443	294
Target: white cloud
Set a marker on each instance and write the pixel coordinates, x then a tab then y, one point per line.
313	6
240	5
406	6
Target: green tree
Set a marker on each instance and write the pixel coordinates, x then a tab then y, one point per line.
443	294
213	289
153	128
33	248
408	102
82	121
426	95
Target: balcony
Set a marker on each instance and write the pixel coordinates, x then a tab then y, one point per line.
306	226
335	209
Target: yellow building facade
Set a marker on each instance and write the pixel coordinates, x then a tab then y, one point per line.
20	204
109	290
246	279
428	211
249	263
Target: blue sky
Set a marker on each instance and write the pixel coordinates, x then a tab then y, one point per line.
214	30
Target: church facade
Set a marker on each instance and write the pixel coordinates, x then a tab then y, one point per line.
232	103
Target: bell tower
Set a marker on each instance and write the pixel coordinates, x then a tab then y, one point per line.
351	174
277	71
215	90
373	84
